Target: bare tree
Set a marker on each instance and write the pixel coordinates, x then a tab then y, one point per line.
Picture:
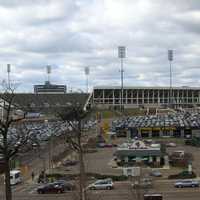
75	117
14	134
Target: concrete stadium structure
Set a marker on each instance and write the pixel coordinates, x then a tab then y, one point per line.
108	97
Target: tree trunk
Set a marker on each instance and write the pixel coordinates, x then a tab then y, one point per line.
82	166
7	180
82	177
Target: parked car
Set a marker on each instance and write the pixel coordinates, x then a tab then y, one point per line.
65	184
67	163
50	188
171	144
105	184
186	183
144	183
104	145
156	173
153	197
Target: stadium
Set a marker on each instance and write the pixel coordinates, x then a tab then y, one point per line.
135	97
48	98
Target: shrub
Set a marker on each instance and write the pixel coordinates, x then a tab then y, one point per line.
54	176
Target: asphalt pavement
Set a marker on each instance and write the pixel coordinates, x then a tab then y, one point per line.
122	191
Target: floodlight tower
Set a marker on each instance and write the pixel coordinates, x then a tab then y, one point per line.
48	72
8	72
122	55
170	59
87	72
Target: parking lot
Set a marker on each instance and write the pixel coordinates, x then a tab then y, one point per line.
122	190
101	162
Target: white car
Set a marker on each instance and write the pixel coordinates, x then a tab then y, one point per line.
105	184
171	144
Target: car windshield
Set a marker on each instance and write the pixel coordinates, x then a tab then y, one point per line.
98	182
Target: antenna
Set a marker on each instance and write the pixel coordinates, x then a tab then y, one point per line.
48	72
87	72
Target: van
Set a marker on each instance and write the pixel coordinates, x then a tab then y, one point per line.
153	197
15	177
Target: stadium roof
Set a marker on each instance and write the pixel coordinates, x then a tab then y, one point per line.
145	87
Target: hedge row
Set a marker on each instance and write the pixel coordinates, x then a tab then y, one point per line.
89	175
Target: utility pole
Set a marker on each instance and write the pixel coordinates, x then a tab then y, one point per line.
170	59
122	55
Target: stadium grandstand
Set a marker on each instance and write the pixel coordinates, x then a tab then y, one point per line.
44	103
133	97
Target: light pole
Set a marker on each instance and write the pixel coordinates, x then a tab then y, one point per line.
121	55
8	71
48	73
87	72
170	59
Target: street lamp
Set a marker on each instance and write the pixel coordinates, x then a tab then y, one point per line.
122	55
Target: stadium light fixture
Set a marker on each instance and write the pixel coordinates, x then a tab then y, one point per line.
122	55
87	72
48	72
8	72
170	59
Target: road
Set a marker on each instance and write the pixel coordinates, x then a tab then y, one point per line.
122	191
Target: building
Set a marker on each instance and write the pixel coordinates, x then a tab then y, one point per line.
137	153
110	97
49	88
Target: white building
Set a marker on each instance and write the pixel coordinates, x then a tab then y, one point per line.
107	96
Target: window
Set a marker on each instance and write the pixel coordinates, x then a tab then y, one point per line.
17	175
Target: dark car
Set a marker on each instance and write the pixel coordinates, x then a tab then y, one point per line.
67	163
153	197
65	184
50	188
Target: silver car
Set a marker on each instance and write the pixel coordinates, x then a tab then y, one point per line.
105	184
186	183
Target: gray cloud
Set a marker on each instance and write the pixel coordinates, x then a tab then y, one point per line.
72	34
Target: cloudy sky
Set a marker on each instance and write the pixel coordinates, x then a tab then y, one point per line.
72	34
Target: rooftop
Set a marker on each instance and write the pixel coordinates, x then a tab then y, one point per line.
145	87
